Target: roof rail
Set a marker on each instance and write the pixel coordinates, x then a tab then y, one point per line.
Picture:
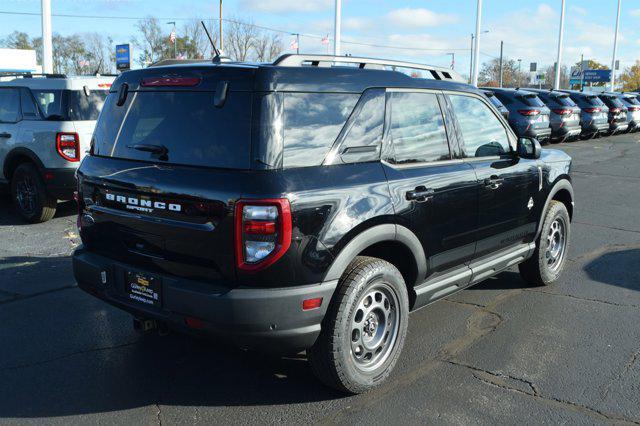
294	60
31	75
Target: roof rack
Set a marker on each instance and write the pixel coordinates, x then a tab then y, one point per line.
294	60
31	75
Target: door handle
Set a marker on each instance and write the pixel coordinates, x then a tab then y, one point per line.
494	182
5	135
421	194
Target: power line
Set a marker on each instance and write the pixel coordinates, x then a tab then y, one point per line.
277	30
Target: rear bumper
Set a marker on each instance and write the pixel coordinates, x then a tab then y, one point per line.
60	183
540	134
618	127
566	131
594	128
267	319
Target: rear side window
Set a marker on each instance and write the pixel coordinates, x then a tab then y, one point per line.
482	132
9	105
70	105
364	132
312	122
185	125
417	129
29	109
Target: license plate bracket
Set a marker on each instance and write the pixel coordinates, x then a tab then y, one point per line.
143	288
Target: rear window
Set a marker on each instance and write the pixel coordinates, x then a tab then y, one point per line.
312	122
565	100
532	100
612	102
632	100
594	100
70	105
185	125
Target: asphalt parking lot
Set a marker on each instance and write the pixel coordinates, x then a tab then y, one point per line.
501	352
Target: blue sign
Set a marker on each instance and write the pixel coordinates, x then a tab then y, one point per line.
596	76
123	57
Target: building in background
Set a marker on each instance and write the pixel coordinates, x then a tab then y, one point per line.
18	61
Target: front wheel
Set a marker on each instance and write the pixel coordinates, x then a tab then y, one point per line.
364	329
547	262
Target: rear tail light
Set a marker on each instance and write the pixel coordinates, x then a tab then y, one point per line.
562	111
529	112
263	232
68	146
634	108
592	110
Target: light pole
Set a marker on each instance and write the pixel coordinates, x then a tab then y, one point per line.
297	43
47	45
519	81
476	53
175	39
615	47
501	49
336	28
556	83
471	55
220	28
453	60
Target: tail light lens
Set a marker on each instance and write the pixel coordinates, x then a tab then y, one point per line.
170	81
634	108
529	112
562	111
263	232
68	146
592	110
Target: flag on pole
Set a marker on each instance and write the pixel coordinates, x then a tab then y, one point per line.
294	44
172	37
325	40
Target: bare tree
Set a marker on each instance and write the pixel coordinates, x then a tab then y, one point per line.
100	52
197	43
152	41
267	47
239	39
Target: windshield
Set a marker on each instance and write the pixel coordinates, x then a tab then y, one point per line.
178	128
70	105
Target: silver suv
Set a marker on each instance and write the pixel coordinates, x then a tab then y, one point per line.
46	124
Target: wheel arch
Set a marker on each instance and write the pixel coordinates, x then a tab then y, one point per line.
19	156
393	243
561	191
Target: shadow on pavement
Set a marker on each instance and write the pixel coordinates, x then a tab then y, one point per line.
9	216
618	268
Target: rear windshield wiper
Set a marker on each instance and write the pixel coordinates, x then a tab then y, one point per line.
154	149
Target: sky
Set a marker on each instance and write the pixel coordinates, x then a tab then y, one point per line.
423	31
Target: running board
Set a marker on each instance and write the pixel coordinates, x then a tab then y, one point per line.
436	288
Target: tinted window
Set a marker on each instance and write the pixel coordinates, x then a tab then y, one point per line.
312	122
187	124
364	134
612	102
495	101
417	128
532	100
565	100
29	109
594	100
70	104
632	100
9	105
504	98
482	132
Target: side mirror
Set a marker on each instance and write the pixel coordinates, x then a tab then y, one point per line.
529	148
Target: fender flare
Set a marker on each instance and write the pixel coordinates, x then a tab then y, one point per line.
378	234
21	151
563	183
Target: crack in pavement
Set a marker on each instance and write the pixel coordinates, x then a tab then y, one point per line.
498	380
21	297
584	299
158	414
482	321
625	370
87	351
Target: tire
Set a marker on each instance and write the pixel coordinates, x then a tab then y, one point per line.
30	196
549	257
371	295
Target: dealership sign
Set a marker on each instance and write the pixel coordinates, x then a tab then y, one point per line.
123	57
596	76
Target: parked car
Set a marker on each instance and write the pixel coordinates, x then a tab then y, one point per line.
46	123
631	103
305	205
565	114
593	113
496	103
617	113
528	115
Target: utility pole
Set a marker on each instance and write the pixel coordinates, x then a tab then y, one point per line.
556	83
615	47
476	53
220	28
175	39
501	48
297	43
47	45
336	28
582	73
453	60
471	60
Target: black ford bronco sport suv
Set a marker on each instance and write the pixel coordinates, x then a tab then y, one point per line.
310	204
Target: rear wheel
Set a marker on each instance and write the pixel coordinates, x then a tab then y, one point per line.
364	329
547	262
30	196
